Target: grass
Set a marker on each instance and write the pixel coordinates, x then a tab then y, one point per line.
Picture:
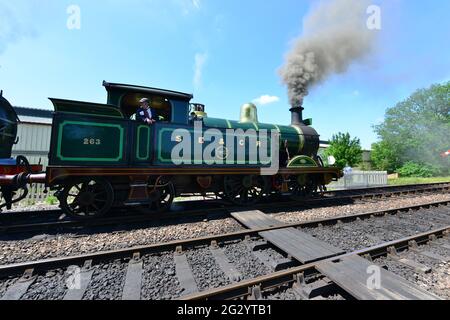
413	180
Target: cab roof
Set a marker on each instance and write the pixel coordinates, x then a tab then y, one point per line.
125	88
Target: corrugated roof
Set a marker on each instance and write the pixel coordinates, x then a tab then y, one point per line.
36	113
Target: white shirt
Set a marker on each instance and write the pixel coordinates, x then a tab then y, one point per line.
148	115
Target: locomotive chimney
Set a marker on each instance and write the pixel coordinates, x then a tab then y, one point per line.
297	115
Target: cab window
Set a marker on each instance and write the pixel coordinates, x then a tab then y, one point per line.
161	106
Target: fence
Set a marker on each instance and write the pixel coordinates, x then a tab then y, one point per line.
36	193
361	179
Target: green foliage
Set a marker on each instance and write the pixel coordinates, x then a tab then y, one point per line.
345	149
384	157
365	166
417	130
51	200
412	169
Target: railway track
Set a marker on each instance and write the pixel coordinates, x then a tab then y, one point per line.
265	261
55	220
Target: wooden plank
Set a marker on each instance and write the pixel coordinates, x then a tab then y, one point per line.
184	274
314	243
225	265
300	245
256	219
390	282
133	281
351	274
296	247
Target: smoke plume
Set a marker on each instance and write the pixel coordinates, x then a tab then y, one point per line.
335	35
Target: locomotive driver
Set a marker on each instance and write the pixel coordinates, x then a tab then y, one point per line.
144	112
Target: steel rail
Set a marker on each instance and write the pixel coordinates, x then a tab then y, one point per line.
223	209
47	264
275	280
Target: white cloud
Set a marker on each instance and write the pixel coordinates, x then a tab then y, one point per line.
200	61
266	99
15	24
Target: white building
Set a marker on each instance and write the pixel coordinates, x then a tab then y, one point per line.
33	134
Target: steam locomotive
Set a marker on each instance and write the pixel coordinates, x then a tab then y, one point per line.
101	157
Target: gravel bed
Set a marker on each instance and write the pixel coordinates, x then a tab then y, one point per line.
357	207
51	286
437	281
51	246
287	293
432	220
248	265
206	271
360	234
44	247
107	282
272	253
159	281
284	293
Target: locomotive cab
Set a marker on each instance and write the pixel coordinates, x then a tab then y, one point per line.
160	106
169	106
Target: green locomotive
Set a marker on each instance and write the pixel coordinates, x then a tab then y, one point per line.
102	157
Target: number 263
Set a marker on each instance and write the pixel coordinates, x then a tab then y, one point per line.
95	142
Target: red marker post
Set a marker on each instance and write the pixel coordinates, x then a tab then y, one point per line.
445	154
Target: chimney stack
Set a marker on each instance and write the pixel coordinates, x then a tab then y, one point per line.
297	115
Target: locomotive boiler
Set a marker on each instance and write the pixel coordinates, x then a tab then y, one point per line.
13	171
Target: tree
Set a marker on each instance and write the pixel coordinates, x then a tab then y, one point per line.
416	130
345	149
384	157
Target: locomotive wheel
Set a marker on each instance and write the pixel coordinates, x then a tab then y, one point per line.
302	188
160	199
87	198
220	195
245	190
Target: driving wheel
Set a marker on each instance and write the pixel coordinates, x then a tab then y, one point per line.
87	198
245	190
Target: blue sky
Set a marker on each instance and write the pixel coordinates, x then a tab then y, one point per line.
225	52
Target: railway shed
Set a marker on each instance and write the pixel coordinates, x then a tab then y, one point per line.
34	134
